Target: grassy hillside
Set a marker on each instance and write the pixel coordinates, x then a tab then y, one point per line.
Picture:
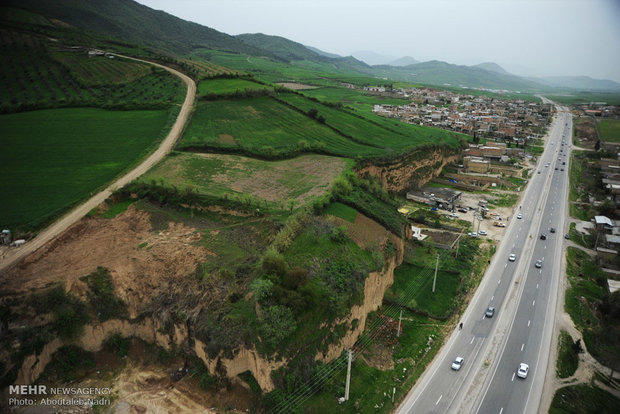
51	159
133	22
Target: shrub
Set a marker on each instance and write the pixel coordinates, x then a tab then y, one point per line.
261	289
339	235
278	323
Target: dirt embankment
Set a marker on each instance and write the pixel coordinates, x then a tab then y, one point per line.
412	170
363	231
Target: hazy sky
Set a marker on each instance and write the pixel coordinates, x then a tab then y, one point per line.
526	37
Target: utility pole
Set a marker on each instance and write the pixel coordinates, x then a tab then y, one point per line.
346	388
435	278
458	244
400	318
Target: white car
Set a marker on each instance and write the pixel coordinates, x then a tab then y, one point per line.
482	232
458	362
474	234
519	216
512	257
523	370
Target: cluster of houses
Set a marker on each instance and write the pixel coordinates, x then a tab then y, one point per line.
511	120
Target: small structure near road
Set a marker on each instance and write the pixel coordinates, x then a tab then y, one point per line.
417	233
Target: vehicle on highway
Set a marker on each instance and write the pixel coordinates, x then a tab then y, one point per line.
490	312
482	232
519	216
538	171
458	362
523	370
567	236
561	169
543	236
538	263
552	229
512	257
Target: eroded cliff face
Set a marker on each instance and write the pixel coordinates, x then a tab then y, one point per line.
374	290
412	170
151	330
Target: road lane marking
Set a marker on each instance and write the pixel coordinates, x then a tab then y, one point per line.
540	271
492	298
499	281
528	323
536	285
545	246
506	265
501	410
439	399
513	378
472	340
534	302
522	345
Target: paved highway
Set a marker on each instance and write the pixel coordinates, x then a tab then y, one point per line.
524	297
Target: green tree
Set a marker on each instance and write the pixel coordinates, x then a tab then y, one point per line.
278	323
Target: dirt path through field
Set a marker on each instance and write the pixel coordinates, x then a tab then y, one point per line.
60	225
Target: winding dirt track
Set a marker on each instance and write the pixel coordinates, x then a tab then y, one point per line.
59	226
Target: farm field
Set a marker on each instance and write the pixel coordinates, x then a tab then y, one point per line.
220	86
233	176
375	132
54	158
37	76
351	97
263	126
610	130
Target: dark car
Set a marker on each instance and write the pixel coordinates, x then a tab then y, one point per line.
567	236
552	229
543	236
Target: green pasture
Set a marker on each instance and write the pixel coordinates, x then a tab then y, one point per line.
272	183
263	126
101	70
51	159
222	86
610	130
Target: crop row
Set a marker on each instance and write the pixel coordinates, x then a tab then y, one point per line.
32	78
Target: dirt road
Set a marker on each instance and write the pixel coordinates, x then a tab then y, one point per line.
16	254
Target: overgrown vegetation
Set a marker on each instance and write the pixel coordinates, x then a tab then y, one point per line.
568	355
69	313
584	399
594	310
103	301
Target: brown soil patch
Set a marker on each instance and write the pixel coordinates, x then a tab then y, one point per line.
227	139
380	357
295	86
140	262
278	182
364	231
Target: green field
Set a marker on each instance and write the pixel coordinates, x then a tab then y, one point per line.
610	129
375	132
341	210
584	399
273	183
223	86
351	97
51	159
263	126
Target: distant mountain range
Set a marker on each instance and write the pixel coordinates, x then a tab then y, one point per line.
133	22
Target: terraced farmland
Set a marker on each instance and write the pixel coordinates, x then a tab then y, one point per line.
51	159
38	73
264	127
380	132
